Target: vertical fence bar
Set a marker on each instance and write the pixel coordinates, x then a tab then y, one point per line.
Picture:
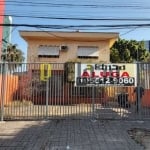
3	90
93	102
47	94
138	91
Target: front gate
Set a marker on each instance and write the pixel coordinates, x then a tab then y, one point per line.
31	91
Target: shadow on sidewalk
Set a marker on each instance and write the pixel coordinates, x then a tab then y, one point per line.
68	134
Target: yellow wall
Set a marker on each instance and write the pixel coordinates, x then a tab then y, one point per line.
70	54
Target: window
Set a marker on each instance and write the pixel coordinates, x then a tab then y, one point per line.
48	51
88	52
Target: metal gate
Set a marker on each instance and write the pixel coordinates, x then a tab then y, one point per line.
47	91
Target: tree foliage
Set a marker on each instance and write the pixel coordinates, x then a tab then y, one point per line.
12	54
128	51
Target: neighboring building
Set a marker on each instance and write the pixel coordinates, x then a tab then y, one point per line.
2	6
60	47
147	45
7	30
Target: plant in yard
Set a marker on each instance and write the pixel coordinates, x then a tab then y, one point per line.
13	56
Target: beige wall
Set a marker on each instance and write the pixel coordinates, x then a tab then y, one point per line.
70	54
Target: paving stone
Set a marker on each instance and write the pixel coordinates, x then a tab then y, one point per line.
69	135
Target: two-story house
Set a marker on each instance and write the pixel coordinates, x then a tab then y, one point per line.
60	47
57	48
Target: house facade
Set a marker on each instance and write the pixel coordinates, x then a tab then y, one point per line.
147	45
49	72
60	47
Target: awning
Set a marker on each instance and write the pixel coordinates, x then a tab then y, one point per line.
85	51
45	50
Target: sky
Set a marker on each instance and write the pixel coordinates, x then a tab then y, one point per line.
132	16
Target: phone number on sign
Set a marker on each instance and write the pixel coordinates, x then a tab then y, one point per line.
105	81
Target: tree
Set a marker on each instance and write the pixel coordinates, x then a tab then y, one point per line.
13	56
128	51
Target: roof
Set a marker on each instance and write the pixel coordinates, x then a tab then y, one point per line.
79	36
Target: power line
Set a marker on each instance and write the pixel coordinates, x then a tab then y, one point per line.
82	13
72	26
129	31
39	13
69	4
86	4
77	18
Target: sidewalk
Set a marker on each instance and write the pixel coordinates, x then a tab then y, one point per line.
70	135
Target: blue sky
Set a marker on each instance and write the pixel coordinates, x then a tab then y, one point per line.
124	9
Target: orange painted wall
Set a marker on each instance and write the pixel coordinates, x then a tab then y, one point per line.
146	98
131	95
11	85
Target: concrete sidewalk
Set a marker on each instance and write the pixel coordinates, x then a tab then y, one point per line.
70	135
